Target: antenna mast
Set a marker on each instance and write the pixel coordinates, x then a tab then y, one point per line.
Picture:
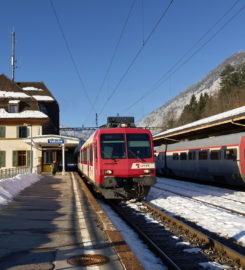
13	56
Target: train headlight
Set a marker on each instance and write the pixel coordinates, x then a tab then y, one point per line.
108	172
147	171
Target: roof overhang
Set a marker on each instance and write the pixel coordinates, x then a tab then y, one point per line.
211	126
52	141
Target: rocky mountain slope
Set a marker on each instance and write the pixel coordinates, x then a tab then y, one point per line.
210	84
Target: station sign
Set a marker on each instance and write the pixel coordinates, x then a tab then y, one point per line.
59	141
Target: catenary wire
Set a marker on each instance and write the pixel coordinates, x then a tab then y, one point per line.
114	54
172	71
136	56
70	54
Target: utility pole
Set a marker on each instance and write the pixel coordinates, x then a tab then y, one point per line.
96	120
13	56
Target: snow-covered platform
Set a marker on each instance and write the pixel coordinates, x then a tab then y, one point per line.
49	223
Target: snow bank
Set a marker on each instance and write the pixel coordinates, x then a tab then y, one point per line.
12	186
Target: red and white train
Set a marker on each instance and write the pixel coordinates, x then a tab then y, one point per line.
218	159
118	160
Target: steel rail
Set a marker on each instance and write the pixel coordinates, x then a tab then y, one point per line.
232	254
165	258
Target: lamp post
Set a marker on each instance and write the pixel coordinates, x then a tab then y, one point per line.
31	155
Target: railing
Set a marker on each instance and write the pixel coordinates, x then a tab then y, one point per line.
11	172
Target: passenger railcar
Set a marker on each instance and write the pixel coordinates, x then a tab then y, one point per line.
119	161
218	159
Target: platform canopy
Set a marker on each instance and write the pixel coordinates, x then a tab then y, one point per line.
232	121
52	141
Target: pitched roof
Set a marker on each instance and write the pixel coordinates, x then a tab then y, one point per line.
37	90
28	105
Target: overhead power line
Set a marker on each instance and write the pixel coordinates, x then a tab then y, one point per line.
114	53
137	55
181	62
70	54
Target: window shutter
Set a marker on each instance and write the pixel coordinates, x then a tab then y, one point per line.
2	158
15	159
17	132
2	132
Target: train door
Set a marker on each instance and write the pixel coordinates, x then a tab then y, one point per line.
242	155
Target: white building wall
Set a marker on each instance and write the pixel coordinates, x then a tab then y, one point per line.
11	143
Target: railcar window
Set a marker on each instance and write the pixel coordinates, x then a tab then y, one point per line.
215	155
175	156
203	155
192	155
230	154
112	146
139	146
183	156
85	154
91	153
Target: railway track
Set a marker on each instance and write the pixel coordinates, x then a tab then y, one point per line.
202	201
176	243
212	191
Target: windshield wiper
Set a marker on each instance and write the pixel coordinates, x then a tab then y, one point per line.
135	155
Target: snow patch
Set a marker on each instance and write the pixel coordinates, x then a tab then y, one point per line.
42	98
9	94
10	187
213	266
25	114
31	88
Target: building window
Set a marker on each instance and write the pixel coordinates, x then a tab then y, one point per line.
215	155
13	108
2	158
42	107
183	156
175	156
49	157
21	158
192	155
230	154
2	132
203	155
22	132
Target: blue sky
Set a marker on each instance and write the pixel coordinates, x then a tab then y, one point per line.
92	29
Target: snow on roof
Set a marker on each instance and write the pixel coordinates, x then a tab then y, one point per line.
42	98
220	116
9	94
24	114
31	88
14	101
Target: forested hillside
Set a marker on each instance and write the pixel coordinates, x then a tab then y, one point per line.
231	95
220	90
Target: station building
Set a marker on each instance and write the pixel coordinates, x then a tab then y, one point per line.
29	128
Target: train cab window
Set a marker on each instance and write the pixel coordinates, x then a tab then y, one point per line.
203	155
183	156
139	146
215	155
112	146
230	154
175	156
192	155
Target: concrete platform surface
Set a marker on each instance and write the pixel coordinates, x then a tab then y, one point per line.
47	224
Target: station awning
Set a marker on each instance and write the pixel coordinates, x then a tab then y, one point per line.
232	121
52	141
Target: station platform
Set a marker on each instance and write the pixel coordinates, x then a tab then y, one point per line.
51	225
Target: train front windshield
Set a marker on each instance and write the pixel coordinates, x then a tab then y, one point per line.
113	146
